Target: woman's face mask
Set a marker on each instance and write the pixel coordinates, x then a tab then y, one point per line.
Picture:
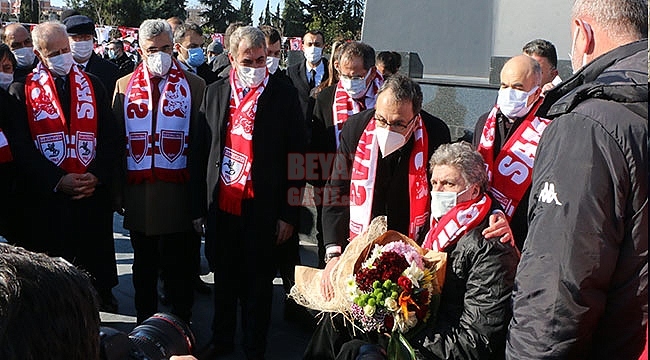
6	79
443	201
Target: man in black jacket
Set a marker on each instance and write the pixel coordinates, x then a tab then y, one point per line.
308	74
17	37
507	137
81	30
188	43
117	56
390	182
66	151
581	288
239	173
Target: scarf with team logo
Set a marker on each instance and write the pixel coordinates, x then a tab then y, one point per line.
344	105
362	183
237	157
157	139
511	173
456	222
5	151
68	143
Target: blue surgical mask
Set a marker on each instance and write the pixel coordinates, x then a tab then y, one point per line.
112	54
195	57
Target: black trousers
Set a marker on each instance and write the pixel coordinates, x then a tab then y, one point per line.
244	269
172	253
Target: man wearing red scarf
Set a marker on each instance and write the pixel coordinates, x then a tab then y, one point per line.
380	169
156	107
250	124
507	137
66	151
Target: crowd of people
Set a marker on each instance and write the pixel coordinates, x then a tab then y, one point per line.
544	216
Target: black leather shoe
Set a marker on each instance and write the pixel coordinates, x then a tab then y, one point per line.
202	287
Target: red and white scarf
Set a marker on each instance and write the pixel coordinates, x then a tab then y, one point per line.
68	143
5	151
362	183
456	222
344	105
237	157
511	173
157	139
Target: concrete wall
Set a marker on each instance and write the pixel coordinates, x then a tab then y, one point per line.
460	38
451	37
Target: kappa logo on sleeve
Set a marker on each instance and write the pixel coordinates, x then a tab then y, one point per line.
548	194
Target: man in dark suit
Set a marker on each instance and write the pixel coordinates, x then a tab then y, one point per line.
397	139
156	190
356	67
117	56
19	41
66	157
188	42
81	30
251	124
308	74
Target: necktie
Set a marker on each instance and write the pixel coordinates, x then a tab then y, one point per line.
245	91
61	91
312	79
155	91
82	67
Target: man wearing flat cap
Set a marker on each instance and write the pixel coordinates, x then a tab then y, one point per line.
81	31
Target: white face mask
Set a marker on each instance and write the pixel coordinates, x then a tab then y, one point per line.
573	46
356	88
443	201
24	56
60	65
81	50
272	63
6	79
389	141
513	103
251	77
313	54
159	63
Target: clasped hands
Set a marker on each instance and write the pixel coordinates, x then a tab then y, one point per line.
78	186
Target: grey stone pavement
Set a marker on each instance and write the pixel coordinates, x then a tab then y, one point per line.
286	341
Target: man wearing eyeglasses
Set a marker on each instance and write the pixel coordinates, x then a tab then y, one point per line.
355	91
157	108
381	168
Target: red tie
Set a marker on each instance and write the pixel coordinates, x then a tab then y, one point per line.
155	92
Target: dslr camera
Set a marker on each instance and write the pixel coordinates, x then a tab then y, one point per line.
157	338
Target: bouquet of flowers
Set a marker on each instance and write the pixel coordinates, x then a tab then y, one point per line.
393	288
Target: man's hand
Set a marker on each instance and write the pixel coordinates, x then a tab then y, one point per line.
283	231
326	287
78	186
199	226
498	226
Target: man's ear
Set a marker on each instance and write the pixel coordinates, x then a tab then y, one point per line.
585	41
232	59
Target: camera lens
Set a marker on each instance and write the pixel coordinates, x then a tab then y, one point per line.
162	336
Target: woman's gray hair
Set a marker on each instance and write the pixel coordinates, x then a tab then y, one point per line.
463	157
44	31
151	28
250	36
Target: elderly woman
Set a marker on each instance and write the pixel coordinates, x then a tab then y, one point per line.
475	307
